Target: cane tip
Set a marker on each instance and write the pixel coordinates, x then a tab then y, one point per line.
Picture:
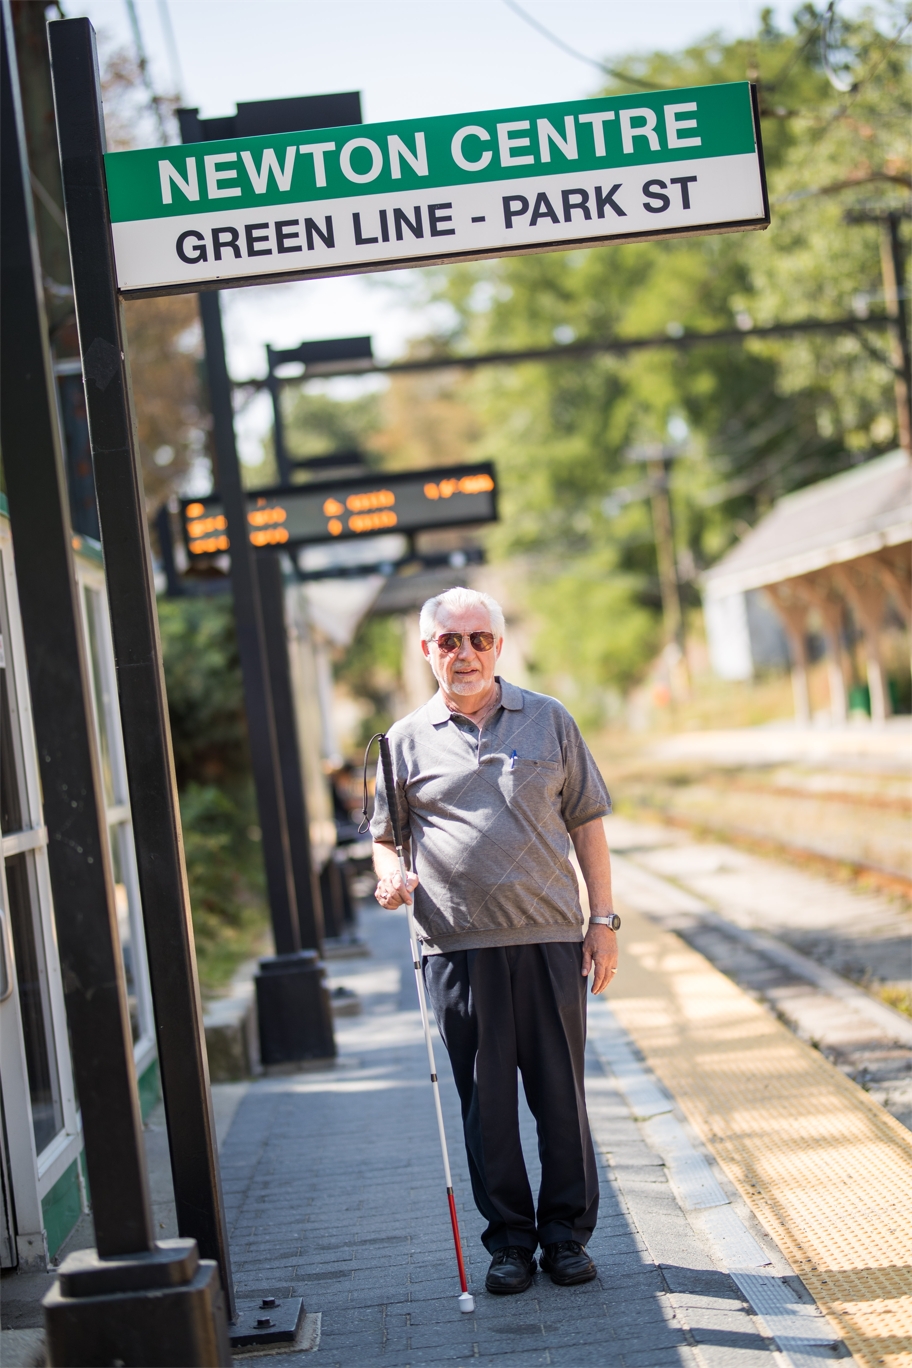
466	1302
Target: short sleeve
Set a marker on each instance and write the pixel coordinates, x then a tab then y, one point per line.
585	796
381	827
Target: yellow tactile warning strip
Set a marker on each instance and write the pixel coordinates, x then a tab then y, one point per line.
826	1170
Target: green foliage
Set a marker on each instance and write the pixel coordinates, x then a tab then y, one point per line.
759	418
752	420
205	694
370	671
317	423
594	628
224	871
218	809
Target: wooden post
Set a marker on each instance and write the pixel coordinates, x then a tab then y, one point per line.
830	611
794	620
867	599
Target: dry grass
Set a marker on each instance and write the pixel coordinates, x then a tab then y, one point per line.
897	997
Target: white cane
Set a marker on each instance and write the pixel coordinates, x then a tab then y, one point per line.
466	1300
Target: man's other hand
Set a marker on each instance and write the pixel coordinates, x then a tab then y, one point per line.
390	892
600	948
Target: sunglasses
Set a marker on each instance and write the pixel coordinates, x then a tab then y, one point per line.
448	642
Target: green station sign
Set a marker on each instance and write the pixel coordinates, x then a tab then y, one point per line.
372	197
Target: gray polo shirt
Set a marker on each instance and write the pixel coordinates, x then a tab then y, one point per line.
487	817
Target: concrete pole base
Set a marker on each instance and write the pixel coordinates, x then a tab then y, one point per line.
156	1310
293	1009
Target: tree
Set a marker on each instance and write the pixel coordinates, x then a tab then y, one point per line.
752	421
163	335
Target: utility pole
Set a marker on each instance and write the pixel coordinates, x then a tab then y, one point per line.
657	460
892	267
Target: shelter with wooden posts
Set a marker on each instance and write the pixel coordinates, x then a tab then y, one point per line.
833	561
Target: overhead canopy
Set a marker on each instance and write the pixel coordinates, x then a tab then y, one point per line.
854	514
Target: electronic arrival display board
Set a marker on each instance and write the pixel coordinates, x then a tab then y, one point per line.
413	501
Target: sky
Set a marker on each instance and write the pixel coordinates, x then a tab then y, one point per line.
409	59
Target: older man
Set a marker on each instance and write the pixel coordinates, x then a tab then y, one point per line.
493	783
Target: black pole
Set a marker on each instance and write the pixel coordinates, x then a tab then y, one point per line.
898	309
293	1007
166	552
137	649
274	384
307	888
78	852
264	747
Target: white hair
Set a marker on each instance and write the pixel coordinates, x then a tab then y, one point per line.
458	600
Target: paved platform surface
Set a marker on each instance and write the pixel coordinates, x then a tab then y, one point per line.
885	746
334	1192
815	951
825	1168
838	795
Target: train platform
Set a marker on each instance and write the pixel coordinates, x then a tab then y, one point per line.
756	1202
825	1170
831	960
755	1206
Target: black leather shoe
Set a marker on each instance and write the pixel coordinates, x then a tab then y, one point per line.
511	1270
568	1263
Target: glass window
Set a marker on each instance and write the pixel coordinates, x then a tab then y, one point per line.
103	700
34	999
10	795
120	830
120	833
6	976
24	912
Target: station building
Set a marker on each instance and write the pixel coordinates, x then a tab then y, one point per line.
827	569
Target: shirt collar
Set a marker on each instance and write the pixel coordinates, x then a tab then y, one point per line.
511	698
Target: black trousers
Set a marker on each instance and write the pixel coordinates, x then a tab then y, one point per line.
499	1010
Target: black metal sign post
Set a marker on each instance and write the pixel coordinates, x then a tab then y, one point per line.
274	385
320	358
307	887
131	594
295	1017
251	643
293	1009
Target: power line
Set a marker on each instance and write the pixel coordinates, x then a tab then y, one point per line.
790	62
859	85
579	350
580	56
177	77
145	72
840	83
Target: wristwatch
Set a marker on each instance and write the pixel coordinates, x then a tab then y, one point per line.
613	920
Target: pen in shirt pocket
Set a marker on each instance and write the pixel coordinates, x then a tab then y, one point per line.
513	761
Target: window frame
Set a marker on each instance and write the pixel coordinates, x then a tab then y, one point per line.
32	1177
90	579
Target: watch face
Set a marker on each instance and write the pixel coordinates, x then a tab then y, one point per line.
615	922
